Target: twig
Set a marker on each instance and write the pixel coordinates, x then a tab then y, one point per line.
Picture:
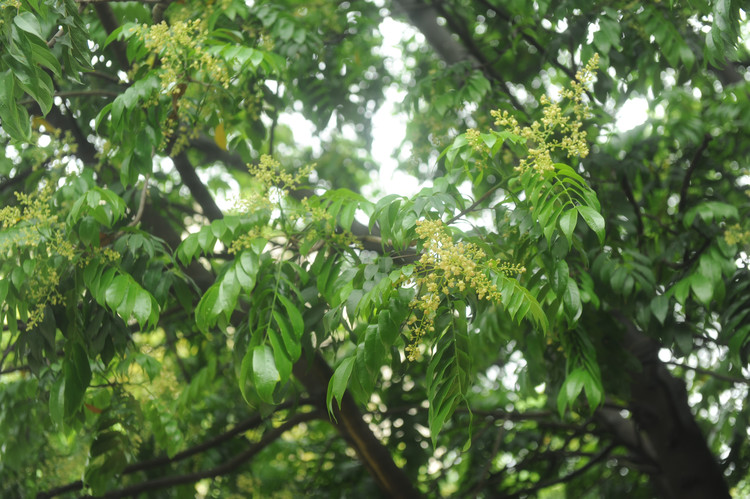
15	369
7	351
141	204
690	171
637	209
594	460
483	474
473	205
238	429
222	469
708	372
105	76
52	41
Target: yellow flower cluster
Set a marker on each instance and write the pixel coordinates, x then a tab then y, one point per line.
268	172
36	227
183	60
35	233
245	241
543	135
43	291
735	235
181	48
474	138
443	268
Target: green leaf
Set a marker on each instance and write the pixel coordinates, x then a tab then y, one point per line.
572	300
388	330
250	264
89	231
295	317
14	118
568	223
265	373
77	373
143	306
28	23
703	288
570	389
116	292
375	353
246	368
280	355
448	373
57	402
660	307
594	220
291	343
226	297
338	382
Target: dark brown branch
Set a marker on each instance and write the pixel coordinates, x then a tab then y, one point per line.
7	351
484	65
625	183
15	369
570	476
141	204
223	469
238	429
197	188
690	171
314	375
110	23
483	475
105	76
708	372
473	205
660	409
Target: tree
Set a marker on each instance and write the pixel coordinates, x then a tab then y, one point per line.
561	310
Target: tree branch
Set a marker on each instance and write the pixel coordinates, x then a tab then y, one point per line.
238	429
690	171
659	407
625	183
223	469
197	188
315	375
424	17
110	23
708	372
570	476
141	204
473	205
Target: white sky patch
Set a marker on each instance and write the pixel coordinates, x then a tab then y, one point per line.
389	127
632	114
388	131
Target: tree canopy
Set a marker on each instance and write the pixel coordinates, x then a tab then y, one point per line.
198	300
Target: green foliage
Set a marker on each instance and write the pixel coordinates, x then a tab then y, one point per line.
485	335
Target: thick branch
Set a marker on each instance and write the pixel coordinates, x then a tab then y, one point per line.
197	188
223	469
660	409
314	375
109	22
424	17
